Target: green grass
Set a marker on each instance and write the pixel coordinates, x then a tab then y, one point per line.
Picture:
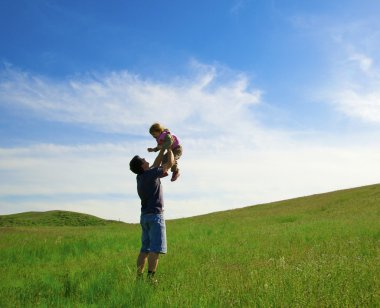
315	251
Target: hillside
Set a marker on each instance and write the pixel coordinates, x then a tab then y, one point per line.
51	218
340	204
315	251
308	204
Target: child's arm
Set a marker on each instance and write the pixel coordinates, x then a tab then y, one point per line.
156	149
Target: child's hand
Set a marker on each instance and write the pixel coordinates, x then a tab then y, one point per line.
150	150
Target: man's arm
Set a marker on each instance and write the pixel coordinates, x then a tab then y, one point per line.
158	160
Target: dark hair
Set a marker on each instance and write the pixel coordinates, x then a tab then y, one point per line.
136	165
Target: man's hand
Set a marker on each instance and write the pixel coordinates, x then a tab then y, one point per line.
150	149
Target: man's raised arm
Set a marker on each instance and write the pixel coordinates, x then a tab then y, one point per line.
158	160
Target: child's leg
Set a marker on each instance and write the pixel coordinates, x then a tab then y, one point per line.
174	168
164	161
177	153
175	171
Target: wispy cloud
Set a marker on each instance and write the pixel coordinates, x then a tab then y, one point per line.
210	109
364	62
126	102
353	76
359	104
237	6
356	87
53	170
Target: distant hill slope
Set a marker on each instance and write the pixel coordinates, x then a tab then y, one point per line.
286	211
51	218
345	202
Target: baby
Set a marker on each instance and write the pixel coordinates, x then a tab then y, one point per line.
166	140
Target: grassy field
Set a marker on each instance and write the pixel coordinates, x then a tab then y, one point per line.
315	251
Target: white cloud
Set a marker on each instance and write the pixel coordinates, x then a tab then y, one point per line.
230	159
83	178
356	88
365	63
125	102
52	169
352	78
359	104
353	81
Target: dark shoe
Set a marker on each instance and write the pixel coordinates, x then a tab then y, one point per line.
175	176
152	281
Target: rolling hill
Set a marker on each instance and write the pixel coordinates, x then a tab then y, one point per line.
51	218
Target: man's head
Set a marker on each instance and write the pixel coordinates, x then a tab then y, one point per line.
138	165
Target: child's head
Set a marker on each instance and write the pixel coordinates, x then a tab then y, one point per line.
156	129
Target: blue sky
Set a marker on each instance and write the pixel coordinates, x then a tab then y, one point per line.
271	100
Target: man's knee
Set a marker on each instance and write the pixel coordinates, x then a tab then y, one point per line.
154	255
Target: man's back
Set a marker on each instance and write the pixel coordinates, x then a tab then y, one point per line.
150	191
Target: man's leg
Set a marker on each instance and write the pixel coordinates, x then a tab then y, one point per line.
152	266
141	261
157	243
145	243
153	261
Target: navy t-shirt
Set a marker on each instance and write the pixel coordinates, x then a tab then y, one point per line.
150	191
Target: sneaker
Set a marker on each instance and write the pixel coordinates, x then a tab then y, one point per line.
153	282
175	176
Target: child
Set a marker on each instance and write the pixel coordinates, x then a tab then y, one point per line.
165	140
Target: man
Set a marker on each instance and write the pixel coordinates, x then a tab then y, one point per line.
149	189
